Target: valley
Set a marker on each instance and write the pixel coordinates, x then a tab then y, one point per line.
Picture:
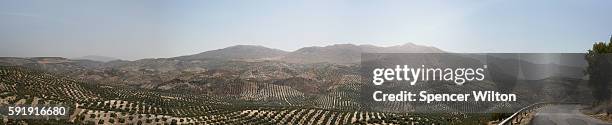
224	87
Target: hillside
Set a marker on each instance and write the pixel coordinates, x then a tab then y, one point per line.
103	104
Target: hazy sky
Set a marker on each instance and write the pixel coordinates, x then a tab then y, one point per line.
134	29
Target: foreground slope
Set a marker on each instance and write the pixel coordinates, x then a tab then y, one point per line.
102	104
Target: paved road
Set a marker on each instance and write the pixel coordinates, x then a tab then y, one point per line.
564	115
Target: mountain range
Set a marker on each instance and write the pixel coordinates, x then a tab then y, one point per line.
338	53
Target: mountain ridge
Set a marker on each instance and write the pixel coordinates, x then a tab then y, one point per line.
350	53
96	58
336	53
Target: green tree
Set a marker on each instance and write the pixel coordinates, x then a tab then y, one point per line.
599	68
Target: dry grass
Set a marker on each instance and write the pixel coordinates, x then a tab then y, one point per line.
603	117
